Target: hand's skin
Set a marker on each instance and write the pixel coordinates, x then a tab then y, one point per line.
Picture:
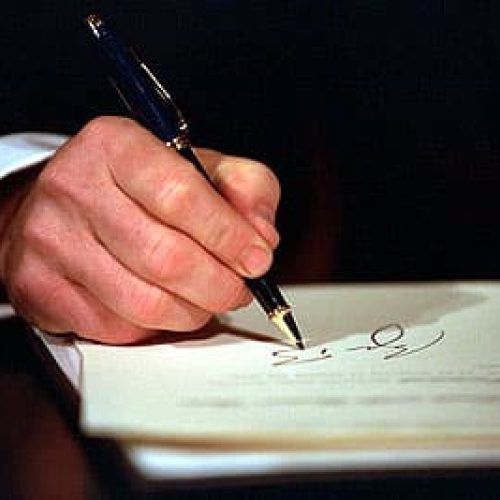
119	236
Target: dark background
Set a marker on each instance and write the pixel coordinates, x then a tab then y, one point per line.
380	118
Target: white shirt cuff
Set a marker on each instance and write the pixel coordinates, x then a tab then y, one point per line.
22	150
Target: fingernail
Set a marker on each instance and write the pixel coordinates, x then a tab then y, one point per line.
256	260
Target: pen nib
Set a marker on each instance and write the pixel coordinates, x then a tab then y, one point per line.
283	319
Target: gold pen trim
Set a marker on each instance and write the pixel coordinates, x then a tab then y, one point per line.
277	316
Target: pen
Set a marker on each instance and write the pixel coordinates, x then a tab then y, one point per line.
150	103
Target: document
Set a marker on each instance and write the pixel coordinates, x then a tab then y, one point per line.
388	365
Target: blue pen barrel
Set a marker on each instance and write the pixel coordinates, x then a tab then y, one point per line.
144	100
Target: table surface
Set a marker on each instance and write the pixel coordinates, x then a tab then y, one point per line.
43	455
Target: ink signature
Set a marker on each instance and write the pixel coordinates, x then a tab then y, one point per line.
286	356
391	339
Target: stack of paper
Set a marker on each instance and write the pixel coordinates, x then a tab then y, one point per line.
410	368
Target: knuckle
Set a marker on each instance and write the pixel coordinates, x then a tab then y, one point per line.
96	134
108	138
175	193
55	180
149	307
105	129
38	233
19	284
165	258
32	232
226	238
63	181
22	286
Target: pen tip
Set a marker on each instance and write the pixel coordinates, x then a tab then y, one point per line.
294	330
284	320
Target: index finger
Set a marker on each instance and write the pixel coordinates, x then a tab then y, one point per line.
172	190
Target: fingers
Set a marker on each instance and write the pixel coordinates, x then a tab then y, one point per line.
68	307
83	260
165	257
249	186
65	292
120	236
172	190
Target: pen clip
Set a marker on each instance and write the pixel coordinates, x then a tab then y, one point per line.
139	89
182	140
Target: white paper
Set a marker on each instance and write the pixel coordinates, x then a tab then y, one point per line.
403	363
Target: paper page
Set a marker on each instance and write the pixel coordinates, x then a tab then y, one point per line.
386	364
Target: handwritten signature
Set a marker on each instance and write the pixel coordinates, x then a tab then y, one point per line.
286	356
391	339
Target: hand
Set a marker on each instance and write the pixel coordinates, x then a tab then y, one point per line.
119	236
